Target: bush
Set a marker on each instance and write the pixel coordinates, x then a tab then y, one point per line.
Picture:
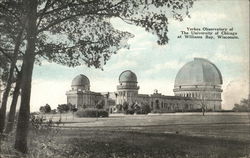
145	109
119	107
130	111
92	113
125	106
100	104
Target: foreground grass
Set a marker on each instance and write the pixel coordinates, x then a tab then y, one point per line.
99	143
96	143
141	137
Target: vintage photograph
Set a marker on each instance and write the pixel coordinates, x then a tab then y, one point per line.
124	79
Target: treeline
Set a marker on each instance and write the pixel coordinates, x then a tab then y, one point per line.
61	108
243	106
134	108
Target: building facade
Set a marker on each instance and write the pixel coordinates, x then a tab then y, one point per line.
80	94
197	84
201	80
127	92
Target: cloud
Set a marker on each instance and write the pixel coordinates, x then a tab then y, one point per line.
221	55
104	84
197	55
175	65
125	64
208	16
230	58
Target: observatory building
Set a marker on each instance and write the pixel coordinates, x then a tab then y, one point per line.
198	83
80	94
201	80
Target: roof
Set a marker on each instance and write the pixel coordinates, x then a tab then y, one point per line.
128	76
199	72
80	80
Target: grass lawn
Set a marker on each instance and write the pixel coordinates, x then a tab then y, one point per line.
105	143
216	135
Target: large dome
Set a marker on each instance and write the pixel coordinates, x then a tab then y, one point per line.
80	80
198	72
127	76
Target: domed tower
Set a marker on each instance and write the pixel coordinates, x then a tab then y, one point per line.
127	88
201	80
80	83
80	94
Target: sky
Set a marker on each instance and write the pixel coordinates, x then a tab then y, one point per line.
156	66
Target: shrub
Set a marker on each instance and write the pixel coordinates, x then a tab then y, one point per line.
130	111
103	113
144	109
119	107
125	106
92	113
100	104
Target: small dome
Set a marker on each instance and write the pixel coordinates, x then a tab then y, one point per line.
198	72
80	80
127	76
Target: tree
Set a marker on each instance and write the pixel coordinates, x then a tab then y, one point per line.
9	76
203	107
203	101
12	38
243	106
90	38
62	108
11	116
73	109
53	111
16	41
45	109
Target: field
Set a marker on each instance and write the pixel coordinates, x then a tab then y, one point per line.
215	135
